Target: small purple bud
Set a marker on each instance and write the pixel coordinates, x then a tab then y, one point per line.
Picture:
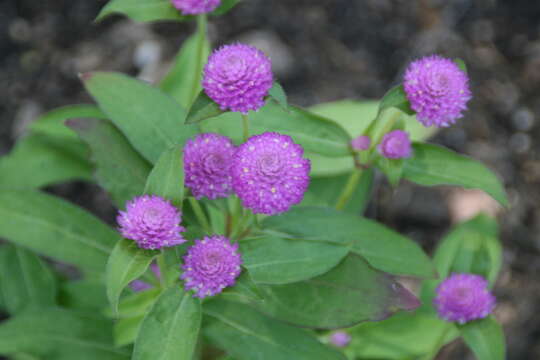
463	297
340	338
194	7
361	143
395	145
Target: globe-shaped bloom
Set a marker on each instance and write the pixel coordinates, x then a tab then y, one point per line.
238	77
207	165
152	222
194	7
340	338
361	143
463	297
437	89
270	174
211	265
395	145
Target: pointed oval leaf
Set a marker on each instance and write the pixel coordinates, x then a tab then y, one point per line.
248	335
485	338
383	248
171	328
151	120
56	228
167	177
272	260
142	10
396	98
434	165
126	263
350	293
225	7
203	108
278	94
25	280
119	168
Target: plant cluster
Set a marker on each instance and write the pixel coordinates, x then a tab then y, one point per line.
240	232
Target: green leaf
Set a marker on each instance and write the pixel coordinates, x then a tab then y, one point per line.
248	335
396	98
167	177
53	122
348	294
142	10
278	95
398	337
134	305
25	280
172	326
88	295
315	133
225	6
461	64
56	228
392	168
38	160
203	108
434	165
151	120
323	191
383	248
183	81
119	168
485	338
244	290
126	330
471	247
126	263
60	334
272	260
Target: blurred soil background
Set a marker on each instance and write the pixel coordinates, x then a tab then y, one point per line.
325	50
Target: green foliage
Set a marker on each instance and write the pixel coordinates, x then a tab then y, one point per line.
383	248
396	98
434	165
126	263
248	335
203	108
151	120
485	338
278	95
272	260
25	280
54	333
170	330
56	228
332	299
119	168
167	177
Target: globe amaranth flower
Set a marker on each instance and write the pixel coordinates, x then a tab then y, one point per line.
463	297
270	174
211	265
361	143
152	222
238	77
340	338
395	145
207	165
437	89
194	7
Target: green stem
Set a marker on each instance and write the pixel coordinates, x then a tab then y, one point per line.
349	189
199	213
162	265
201	40
245	122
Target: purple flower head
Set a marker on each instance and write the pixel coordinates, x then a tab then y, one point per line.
238	77
152	222
463	297
270	174
395	145
139	285
361	143
340	338
211	265
207	165
194	7
437	89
